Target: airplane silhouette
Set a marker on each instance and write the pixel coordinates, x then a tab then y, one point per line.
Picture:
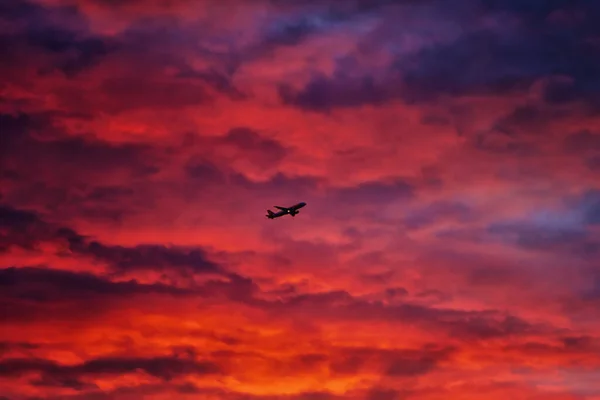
293	210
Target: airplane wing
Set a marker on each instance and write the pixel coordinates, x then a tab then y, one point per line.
281	208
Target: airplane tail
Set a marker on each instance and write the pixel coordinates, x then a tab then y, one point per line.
270	214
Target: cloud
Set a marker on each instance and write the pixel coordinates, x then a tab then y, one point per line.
507	58
49	285
396	363
323	93
76	54
148	256
383	394
544	237
438	211
591	204
448	158
50	38
165	368
21	228
28	230
497	59
583	141
35	294
6	347
39	138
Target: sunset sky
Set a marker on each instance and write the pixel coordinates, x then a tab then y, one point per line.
448	153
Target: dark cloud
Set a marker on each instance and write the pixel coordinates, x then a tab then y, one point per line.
6	347
289	33
22	228
35	14
90	153
586	205
464	325
593	163
435	120
49	381
493	328
173	45
45	286
253	146
480	61
165	368
538	10
573	348
17	9
301	21
203	171
240	152
345	361
499	142
279	185
537	237
584	145
26	229
523	115
455	68
72	174
439	210
219	81
582	343
50	39
76	53
591	207
313	396
18	132
61	33
582	142
40	294
560	90
419	365
333	10
475	326
20	124
37	146
487	61
111	193
394	293
573	241
13	218
375	193
248	139
322	94
391	362
155	257
383	394
169	260
48	285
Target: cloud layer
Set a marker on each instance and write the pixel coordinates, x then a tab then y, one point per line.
448	156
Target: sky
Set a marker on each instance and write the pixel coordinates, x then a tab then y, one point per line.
448	153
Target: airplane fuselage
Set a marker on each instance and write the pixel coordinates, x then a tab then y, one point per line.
293	210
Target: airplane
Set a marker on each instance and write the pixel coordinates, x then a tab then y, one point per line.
293	210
